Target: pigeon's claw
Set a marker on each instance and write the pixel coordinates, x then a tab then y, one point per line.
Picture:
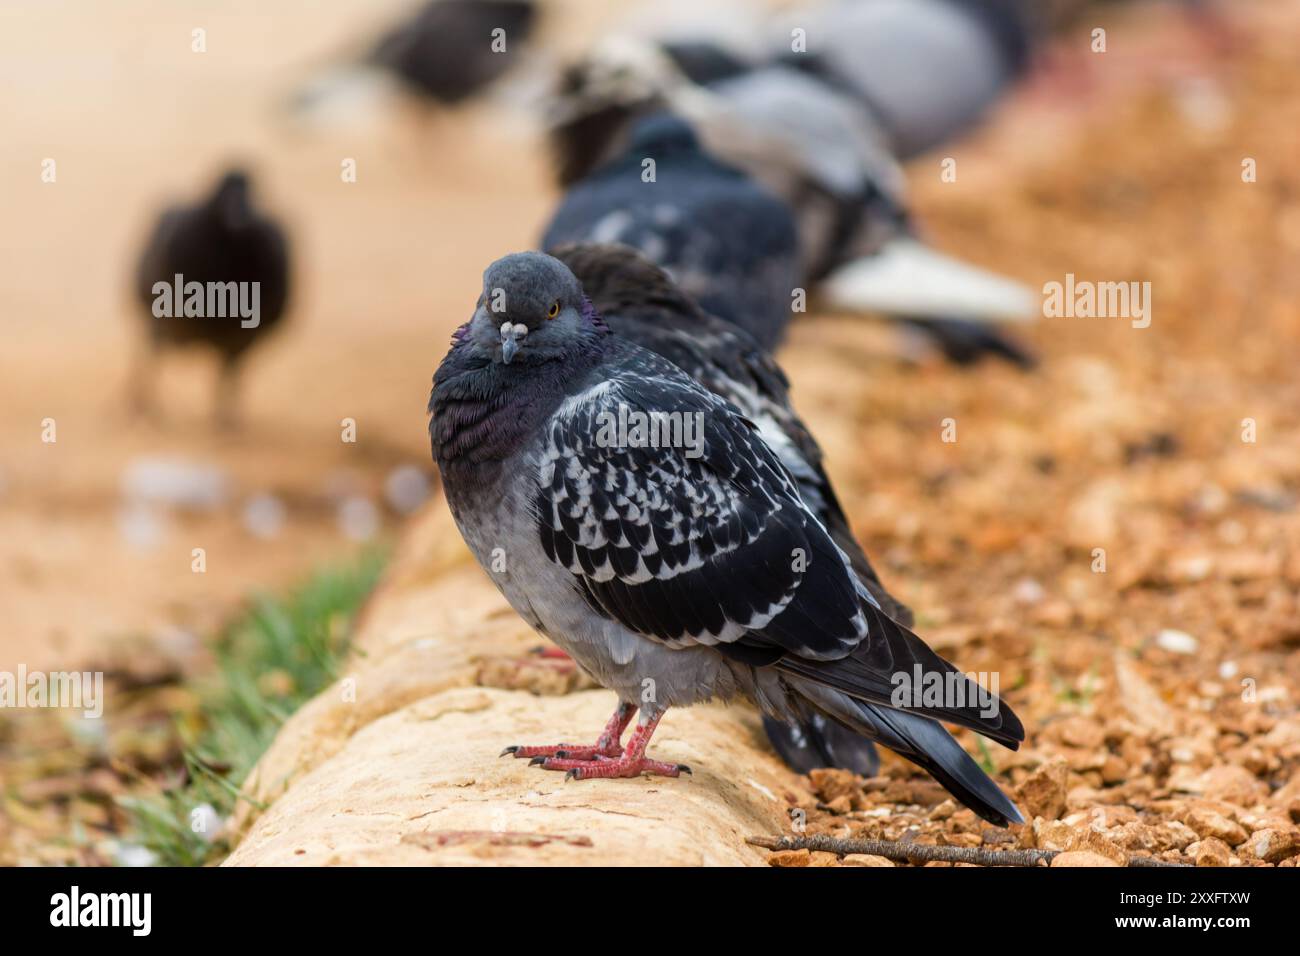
574	751
606	746
626	762
625	766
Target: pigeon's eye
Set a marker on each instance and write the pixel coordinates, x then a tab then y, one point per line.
553	311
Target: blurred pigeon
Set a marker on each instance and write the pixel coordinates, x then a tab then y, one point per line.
820	151
639	302
214	274
673	570
928	70
727	242
447	52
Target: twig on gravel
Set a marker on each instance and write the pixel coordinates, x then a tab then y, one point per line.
922	853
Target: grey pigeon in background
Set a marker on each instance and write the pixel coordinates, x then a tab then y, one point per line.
727	242
928	70
673	570
818	149
239	256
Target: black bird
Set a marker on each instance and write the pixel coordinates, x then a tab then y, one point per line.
727	242
639	301
675	570
213	274
445	51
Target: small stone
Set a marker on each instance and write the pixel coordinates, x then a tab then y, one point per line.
1172	835
358	518
1208	823
1028	591
264	516
830	784
1043	792
1052	835
943	811
1113	770
1079	732
1273	846
840	805
1232	784
406	488
865	859
1210	852
1177	642
789	858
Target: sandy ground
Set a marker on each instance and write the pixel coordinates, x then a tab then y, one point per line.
384	268
1127	439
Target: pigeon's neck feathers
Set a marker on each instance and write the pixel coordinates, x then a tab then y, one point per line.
483	412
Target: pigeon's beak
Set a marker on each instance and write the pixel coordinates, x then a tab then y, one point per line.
510	336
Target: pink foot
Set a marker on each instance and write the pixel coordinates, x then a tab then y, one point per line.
607	746
624	766
573	751
607	758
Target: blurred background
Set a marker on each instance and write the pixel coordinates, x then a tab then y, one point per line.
1122	166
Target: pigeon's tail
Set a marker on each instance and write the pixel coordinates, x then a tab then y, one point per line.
818	742
894	668
923	741
908	279
894	689
928	745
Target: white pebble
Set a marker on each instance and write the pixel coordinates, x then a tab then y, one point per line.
1177	642
406	488
128	854
176	482
358	518
141	526
264	516
1029	591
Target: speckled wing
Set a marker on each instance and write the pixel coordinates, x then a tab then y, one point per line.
708	544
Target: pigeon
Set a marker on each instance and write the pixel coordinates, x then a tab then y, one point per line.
648	529
216	274
928	70
727	242
639	302
642	304
446	53
822	153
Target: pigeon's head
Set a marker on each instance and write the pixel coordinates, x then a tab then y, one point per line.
600	96
230	200
532	311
